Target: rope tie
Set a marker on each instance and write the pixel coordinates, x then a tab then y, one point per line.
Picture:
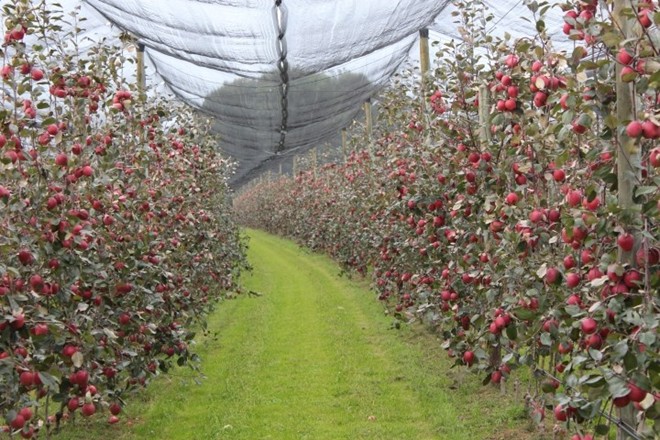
279	16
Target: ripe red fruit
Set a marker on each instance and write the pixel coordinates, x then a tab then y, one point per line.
559	175
36	282
626	242
644	18
26	379
624	57
511	61
636	393
628	74
26	412
572	280
651	131
496	376
511	199
73	404
540	99
560	414
25	257
569	262
61	160
594	341
18	422
115	409
536	216
632	278
652	257
468	358
37	74
18	322
510	104
588	325
574	197
40	330
622	401
654	158
113	419
88	409
69	350
565	347
552	276
578	128
634	129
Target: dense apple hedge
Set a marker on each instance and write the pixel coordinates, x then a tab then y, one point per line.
514	247
115	234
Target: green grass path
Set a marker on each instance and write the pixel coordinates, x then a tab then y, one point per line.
314	357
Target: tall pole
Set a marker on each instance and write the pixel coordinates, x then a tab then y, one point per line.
484	117
344	143
628	155
424	57
368	118
141	77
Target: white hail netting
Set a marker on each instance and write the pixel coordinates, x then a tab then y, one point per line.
221	56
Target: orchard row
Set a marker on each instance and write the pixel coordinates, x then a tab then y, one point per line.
115	237
517	243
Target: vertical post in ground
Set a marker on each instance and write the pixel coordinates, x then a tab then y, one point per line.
141	76
628	155
424	58
484	117
344	143
368	118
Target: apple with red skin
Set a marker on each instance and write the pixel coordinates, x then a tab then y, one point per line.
588	325
636	393
18	322
626	241
552	276
73	404
25	257
69	350
565	347
26	378
622	401
115	409
88	409
18	422
468	358
634	129
624	57
573	280
560	413
654	158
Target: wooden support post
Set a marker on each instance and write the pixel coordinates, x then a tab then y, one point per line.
314	161
368	118
141	75
295	166
344	143
628	157
484	117
424	58
280	169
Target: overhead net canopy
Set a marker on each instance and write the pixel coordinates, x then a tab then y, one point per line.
283	76
279	77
